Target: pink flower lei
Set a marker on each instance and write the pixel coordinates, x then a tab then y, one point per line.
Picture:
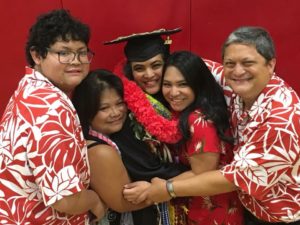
161	128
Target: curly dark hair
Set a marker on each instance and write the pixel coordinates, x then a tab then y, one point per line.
51	27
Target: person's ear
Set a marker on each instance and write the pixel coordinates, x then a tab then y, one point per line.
36	57
271	65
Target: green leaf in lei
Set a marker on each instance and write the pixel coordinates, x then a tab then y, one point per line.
159	108
138	129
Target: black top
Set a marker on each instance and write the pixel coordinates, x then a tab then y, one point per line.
142	164
138	159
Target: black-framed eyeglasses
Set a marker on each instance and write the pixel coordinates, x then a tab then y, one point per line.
66	56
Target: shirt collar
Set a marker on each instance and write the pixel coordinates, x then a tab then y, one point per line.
262	101
34	74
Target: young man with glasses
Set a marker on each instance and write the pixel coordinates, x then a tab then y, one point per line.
67	56
44	174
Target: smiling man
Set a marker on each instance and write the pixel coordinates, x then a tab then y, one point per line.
266	127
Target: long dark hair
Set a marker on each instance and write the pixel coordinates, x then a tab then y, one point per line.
209	96
87	95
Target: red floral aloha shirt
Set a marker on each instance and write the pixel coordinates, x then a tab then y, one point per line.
42	154
267	153
222	209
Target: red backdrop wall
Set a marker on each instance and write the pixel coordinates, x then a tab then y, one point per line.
205	23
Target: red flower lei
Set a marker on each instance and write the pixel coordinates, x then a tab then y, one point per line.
161	128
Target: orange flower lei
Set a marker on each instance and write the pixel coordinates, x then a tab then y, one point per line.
161	128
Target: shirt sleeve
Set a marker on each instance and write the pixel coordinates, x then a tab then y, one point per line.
217	71
56	150
204	137
263	160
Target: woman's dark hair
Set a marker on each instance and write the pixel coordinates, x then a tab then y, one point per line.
209	96
87	94
51	27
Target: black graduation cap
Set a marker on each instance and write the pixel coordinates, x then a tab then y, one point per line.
143	46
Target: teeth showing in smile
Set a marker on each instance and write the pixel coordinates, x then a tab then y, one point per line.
150	83
241	80
176	102
116	121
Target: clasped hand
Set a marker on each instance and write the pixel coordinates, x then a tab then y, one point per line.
141	191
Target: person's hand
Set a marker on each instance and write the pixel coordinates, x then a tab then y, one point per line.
135	192
98	211
157	192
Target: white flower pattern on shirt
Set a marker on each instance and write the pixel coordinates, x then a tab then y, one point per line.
267	154
43	155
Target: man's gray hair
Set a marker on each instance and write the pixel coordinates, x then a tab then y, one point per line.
256	36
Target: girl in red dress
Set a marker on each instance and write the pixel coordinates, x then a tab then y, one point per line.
192	92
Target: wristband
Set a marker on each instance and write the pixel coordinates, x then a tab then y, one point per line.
170	188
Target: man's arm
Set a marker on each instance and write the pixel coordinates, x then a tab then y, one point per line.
205	184
84	201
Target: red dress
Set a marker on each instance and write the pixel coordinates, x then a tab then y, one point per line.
223	209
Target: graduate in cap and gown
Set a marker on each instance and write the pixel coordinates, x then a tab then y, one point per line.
143	140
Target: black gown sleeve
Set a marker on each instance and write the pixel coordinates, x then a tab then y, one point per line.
139	161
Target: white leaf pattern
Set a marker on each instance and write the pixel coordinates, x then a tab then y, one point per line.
267	159
42	154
